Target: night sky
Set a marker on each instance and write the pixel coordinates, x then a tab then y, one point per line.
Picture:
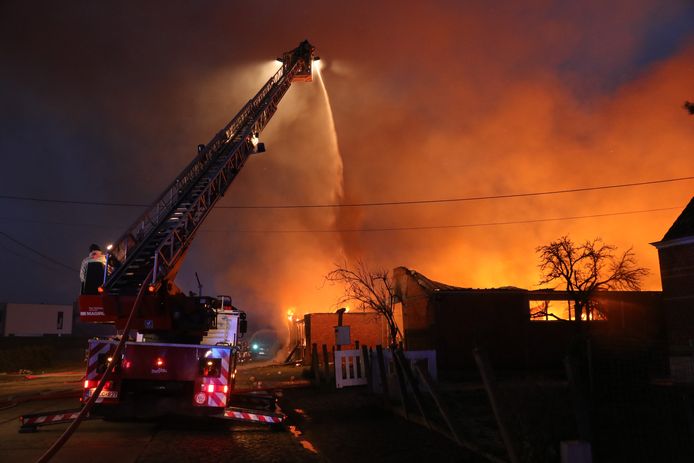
106	102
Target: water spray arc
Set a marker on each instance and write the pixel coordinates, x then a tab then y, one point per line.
334	144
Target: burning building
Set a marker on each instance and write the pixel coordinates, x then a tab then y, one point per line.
454	320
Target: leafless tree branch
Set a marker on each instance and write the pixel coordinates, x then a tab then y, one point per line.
586	268
370	289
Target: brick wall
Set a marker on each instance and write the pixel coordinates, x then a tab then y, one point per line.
495	320
417	317
366	327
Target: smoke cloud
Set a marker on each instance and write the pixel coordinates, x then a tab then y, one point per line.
431	100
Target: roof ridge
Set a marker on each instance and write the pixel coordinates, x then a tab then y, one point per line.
683	226
433	285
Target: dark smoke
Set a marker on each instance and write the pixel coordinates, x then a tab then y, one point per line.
431	99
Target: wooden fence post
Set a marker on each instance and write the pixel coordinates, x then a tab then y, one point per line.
314	364
399	356
326	364
401	382
580	404
490	385
429	384
382	371
367	367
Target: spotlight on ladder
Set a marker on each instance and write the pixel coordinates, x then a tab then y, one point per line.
257	146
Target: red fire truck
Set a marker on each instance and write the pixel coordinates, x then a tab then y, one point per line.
182	355
151	378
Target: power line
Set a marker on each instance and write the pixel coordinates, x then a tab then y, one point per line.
440	227
57	222
352	230
71	202
463	199
24	258
379	229
38	253
368	204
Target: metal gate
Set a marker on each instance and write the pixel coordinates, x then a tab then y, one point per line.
349	368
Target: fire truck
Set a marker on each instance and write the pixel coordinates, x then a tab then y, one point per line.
182	357
154	378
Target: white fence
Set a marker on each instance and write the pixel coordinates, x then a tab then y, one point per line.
426	358
349	368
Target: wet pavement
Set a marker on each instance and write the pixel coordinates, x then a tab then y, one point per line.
349	425
324	425
19	387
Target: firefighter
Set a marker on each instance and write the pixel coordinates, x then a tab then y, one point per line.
92	270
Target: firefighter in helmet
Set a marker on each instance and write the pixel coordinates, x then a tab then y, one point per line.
92	270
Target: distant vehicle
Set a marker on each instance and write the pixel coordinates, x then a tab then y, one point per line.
264	344
258	351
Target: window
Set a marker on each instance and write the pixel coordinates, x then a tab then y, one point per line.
544	310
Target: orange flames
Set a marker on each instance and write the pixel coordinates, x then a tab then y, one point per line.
540	137
430	99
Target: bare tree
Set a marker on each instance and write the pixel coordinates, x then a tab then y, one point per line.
542	311
586	268
371	289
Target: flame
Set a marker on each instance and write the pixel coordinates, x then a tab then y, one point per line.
472	101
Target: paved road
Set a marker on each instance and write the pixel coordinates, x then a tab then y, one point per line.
169	440
323	426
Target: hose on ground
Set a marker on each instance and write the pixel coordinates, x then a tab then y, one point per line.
58	444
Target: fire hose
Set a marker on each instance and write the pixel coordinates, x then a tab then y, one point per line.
58	444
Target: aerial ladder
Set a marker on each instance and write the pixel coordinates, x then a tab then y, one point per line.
174	355
152	249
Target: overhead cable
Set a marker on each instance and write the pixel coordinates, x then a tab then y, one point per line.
376	229
38	253
371	203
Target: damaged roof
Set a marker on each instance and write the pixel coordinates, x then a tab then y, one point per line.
431	285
